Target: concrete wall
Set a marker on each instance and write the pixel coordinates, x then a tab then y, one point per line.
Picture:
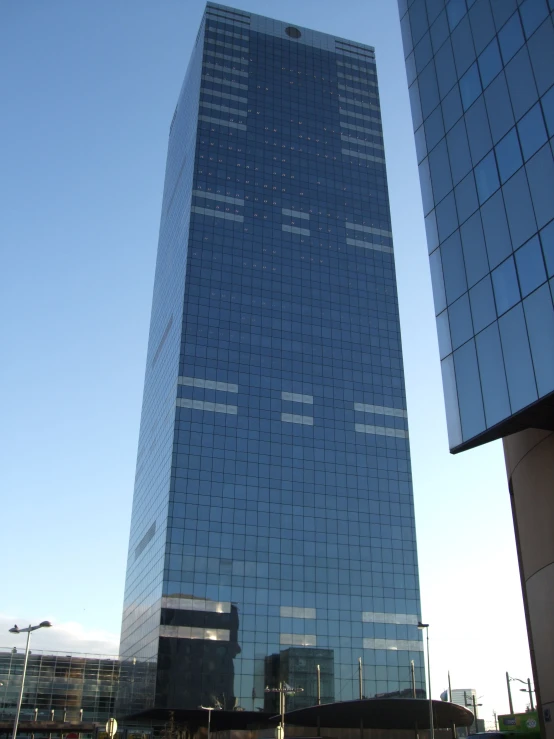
530	465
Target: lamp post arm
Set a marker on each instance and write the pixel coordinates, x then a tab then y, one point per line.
20	699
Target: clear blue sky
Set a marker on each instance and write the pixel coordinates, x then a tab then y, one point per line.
88	91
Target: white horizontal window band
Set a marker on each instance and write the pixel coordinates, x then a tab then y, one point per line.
225	95
220	122
194	632
227	58
294	418
216	213
221	81
363	129
296	230
297	612
370	245
381	409
294	213
360	116
360	155
368	229
216	196
298	398
371	617
364	428
353	78
226	387
225	70
350	65
195	604
359	142
298	640
356	90
204	405
235	47
228	34
224	108
403	645
357	102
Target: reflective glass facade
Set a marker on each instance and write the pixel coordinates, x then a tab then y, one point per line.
481	76
273	522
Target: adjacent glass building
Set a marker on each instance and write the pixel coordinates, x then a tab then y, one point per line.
481	77
273	520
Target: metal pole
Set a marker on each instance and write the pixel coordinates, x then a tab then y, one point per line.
361	678
530	693
509	693
431	725
282	694
318	685
20	700
412	670
449	688
475	712
209	722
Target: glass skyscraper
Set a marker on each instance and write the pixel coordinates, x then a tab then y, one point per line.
481	77
273	521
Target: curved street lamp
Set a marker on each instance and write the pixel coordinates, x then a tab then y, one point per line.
27	630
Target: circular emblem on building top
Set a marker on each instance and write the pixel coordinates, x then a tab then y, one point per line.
292	32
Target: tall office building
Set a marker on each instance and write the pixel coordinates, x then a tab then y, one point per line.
481	76
273	507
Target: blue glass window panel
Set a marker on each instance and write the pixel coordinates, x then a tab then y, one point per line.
415	105
418	20
453	268
511	38
466	198
453	423
486	177
521	83
483	308
530	266
402	7
431	231
411	71
420	143
434	8
540	176
461	328
533	12
495	227
539	315
443	333
502	10
437	281
547	241
548	110
423	53
446	71
482	24
472	415
462	45
499	107
506	289
447	218
439	31
434	128
426	187
541	51
470	86
458	149
493	375
478	131
440	171
456	9
508	155
428	90
519	209
475	253
452	108
490	62
532	131
517	359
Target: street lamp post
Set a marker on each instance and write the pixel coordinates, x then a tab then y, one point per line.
473	704
28	630
283	691
528	689
209	709
421	625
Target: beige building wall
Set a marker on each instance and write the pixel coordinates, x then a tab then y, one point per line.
530	465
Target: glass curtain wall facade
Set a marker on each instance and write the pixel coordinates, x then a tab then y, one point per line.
481	76
273	509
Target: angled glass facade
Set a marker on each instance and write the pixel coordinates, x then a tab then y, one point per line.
273	520
481	76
